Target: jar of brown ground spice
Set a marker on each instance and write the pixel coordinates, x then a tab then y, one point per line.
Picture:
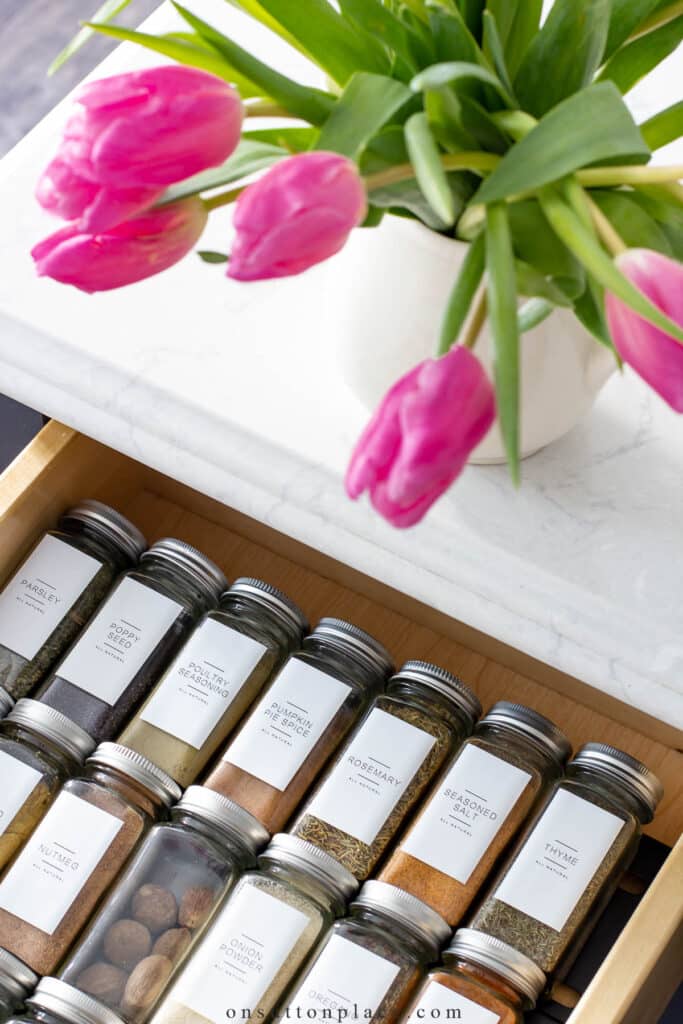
387	764
299	722
77	851
484	981
17	981
477	806
569	860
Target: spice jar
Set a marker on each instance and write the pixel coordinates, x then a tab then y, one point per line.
569	860
55	1002
76	852
141	625
6	703
158	908
58	588
387	764
484	981
215	677
39	749
260	937
477	806
299	722
16	982
370	963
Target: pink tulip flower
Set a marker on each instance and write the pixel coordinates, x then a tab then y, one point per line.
298	214
421	436
134	134
653	354
129	252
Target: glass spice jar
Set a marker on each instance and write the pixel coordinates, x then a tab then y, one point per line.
215	677
477	806
58	588
139	628
17	981
159	906
570	858
260	937
300	720
370	962
484	981
6	703
55	1002
387	764
39	750
76	852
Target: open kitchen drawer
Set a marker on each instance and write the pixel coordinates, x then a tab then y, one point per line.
61	466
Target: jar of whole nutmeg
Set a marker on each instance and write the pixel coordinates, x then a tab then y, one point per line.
17	981
55	1002
77	851
158	908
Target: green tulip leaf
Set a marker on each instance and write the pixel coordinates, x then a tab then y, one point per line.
592	316
479	125
664	127
533	283
462	293
211	256
383	24
503	325
471	12
532	313
625	18
440	75
525	22
102	15
635	60
453	39
493	48
536	244
290	140
634	224
249	158
367	103
429	172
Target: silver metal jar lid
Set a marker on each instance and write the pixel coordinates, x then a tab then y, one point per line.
304	856
349	637
110	523
531	723
441	681
411	912
15	977
54	726
139	768
269	596
224	814
523	974
191	561
6	702
621	767
65	1001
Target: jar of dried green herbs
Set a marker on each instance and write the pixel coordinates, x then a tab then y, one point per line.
478	805
160	906
55	1002
39	750
17	981
371	962
299	722
79	848
386	766
569	860
260	937
215	677
131	640
57	589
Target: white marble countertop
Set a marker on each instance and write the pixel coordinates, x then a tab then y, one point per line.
232	389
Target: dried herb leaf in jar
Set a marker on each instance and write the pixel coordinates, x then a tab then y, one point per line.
392	757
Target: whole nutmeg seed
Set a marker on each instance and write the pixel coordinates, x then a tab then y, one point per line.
146	984
104	982
173	943
155	907
127	942
195	906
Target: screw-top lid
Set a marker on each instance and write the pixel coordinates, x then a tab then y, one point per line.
621	767
192	562
408	910
522	719
54	726
65	1001
270	597
111	524
139	768
443	682
311	860
225	815
6	702
15	977
346	636
522	973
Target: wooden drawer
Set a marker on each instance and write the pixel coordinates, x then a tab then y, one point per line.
61	466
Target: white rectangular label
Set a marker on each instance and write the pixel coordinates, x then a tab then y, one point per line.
17	782
287	723
345	976
559	858
371	775
465	813
240	956
440	1004
41	592
202	682
119	640
57	861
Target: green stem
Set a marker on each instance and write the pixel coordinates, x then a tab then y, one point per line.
658	19
609	235
222	199
465	161
594	177
516	123
265	108
476	318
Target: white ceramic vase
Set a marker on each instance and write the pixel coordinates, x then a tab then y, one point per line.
386	293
